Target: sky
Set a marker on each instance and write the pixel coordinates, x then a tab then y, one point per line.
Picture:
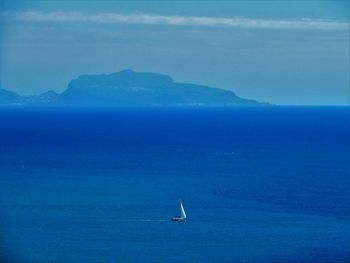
282	52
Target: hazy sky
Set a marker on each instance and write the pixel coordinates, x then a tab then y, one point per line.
283	52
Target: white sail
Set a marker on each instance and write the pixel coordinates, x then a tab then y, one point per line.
182	211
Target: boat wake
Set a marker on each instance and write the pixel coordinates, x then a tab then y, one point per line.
140	220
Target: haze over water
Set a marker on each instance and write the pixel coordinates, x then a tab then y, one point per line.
266	184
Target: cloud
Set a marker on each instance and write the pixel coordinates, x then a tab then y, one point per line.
175	20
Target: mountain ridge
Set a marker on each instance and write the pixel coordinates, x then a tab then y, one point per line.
129	88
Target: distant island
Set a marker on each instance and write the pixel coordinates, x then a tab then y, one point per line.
129	88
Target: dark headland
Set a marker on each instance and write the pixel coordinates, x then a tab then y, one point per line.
129	88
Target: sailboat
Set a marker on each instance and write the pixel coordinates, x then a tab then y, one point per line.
182	216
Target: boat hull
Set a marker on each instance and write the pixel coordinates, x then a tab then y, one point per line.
178	219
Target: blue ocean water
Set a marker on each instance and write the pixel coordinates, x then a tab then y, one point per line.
268	184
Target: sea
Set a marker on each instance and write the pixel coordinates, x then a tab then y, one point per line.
259	184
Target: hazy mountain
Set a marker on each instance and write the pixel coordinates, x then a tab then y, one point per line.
8	97
12	98
130	88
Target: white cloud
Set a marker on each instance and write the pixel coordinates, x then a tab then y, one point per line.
175	20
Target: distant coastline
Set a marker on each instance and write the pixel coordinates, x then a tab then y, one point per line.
128	88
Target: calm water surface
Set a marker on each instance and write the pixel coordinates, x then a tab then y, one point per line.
97	185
